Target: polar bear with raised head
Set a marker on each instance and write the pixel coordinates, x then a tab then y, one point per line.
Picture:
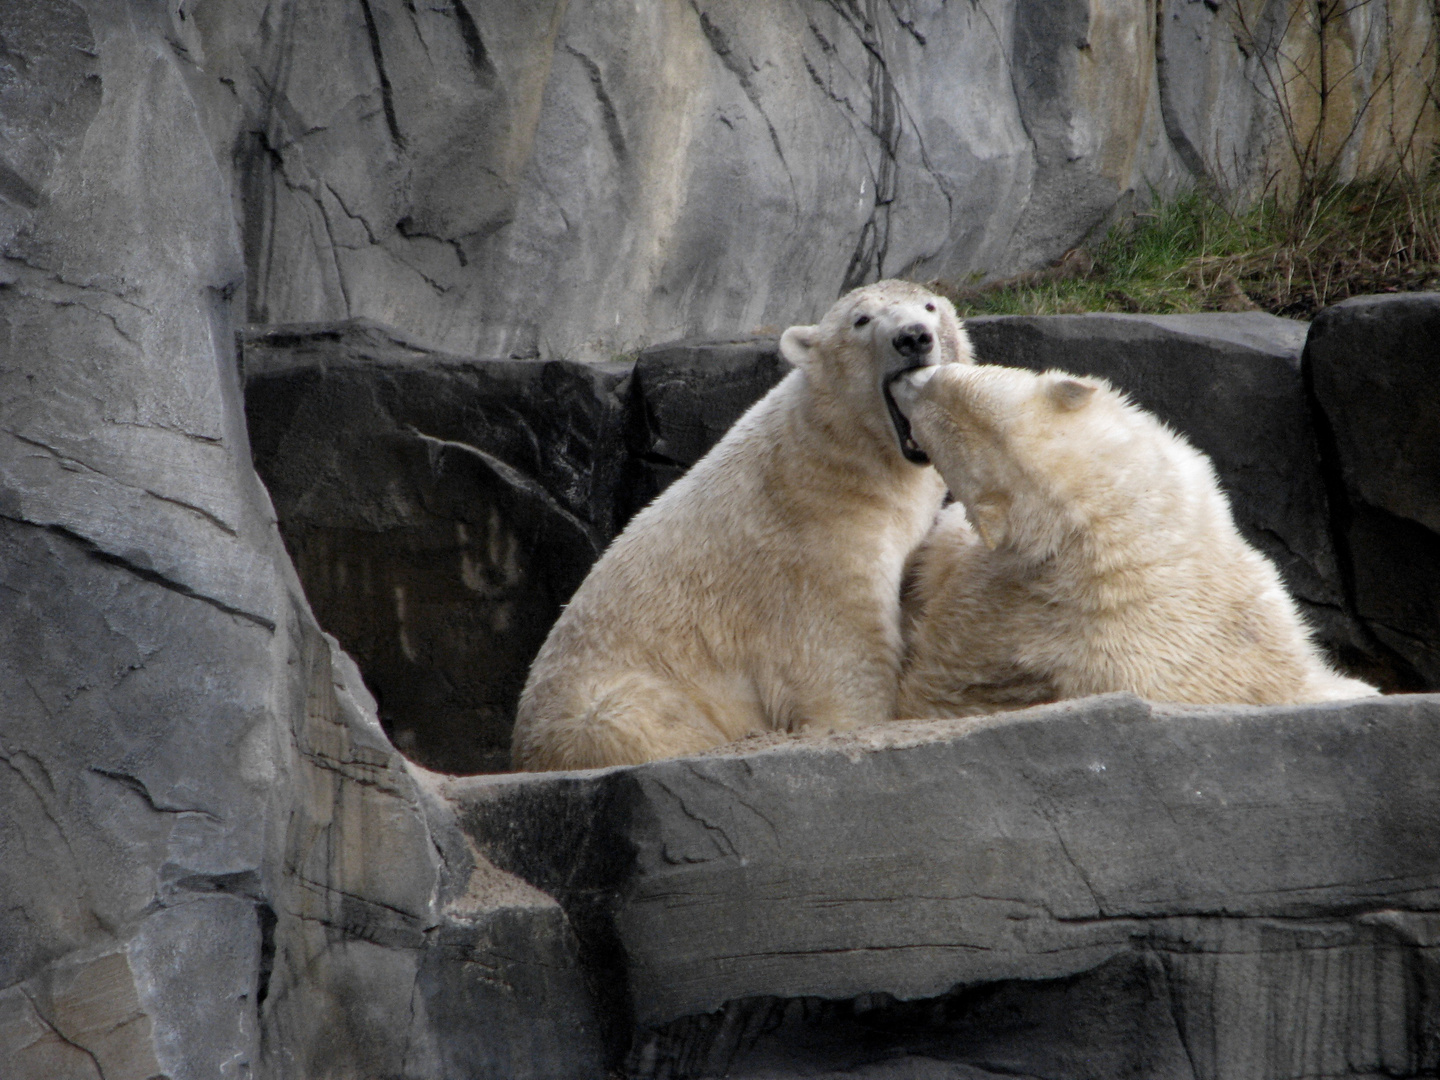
1091	550
760	591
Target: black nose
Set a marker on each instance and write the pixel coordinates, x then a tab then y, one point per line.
914	340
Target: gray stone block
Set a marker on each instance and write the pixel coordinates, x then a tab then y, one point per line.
1240	847
501	991
439	512
1374	365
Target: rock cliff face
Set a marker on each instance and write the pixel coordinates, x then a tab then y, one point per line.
575	180
213	860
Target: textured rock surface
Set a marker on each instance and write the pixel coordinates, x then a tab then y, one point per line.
576	180
1252	891
440	510
212	861
631	174
145	614
1374	367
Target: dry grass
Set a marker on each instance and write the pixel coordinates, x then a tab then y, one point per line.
1377	235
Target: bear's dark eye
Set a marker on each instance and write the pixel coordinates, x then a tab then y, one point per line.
929	307
861	321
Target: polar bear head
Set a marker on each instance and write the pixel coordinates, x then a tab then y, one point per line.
869	336
1036	458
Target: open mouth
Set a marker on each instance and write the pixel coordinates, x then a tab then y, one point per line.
908	446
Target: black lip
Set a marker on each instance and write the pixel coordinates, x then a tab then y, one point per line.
908	446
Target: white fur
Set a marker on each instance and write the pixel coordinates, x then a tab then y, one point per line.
1091	550
760	591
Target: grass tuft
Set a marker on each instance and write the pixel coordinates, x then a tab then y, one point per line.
1192	254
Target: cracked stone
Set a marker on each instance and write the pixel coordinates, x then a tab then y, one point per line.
439	512
1131	879
212	860
1371	364
503	152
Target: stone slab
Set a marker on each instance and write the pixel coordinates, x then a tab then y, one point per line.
1374	365
907	859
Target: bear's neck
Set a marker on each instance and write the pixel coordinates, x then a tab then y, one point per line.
816	461
1118	552
856	445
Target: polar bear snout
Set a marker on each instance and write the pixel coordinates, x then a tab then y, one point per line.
905	387
902	391
914	341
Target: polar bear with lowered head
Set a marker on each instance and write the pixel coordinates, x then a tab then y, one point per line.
1091	550
760	591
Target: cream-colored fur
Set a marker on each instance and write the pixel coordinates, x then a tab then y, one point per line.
1091	550
761	590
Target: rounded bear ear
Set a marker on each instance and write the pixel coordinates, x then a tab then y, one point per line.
797	343
1070	394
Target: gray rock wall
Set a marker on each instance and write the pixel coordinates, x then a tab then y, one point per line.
576	180
212	861
573	181
622	174
146	605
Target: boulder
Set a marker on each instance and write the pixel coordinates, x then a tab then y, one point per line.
212	860
687	394
1371	363
439	512
1235	891
1231	383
